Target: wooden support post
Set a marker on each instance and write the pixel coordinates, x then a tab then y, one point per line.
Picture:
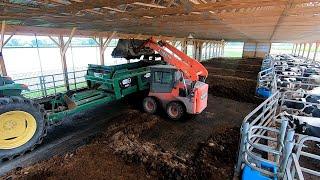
300	46
194	49
210	47
2	44
200	45
216	50
101	52
219	49
103	44
203	51
316	51
177	44
304	49
292	51
206	51
255	50
63	49
210	50
184	46
223	46
310	44
295	49
64	63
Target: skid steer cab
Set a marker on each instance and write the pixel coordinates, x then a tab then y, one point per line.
177	95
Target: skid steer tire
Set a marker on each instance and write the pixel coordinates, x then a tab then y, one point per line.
23	126
150	105
175	111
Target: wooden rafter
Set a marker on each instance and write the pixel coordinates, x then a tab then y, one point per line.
255	20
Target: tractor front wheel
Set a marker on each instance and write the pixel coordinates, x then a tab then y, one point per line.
22	126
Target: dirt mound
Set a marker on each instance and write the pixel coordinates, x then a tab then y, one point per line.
93	161
213	157
217	156
231	72
240	89
128	145
233	78
249	61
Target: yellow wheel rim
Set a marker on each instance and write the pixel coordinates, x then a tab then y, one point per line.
16	129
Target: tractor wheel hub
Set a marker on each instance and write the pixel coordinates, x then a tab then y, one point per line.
9	125
16	129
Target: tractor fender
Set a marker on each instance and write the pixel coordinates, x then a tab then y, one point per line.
14	87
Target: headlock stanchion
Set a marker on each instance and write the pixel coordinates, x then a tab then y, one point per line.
295	169
286	72
278	136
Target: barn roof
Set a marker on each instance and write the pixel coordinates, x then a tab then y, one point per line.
255	20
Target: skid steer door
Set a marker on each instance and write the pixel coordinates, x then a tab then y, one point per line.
163	79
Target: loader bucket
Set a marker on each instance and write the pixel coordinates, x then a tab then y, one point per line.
131	49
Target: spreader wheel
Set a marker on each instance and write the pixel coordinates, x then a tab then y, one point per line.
150	105
175	110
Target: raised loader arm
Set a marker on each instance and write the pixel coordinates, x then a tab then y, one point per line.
191	68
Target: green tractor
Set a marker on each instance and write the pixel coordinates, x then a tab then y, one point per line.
22	122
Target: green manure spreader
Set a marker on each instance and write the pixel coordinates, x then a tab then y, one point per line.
24	123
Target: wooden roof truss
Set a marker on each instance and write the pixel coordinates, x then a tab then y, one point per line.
252	20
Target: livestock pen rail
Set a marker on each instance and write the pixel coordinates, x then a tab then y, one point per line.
276	138
52	84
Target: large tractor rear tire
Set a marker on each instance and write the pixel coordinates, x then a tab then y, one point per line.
22	126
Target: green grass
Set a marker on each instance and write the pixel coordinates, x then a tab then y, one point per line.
50	91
